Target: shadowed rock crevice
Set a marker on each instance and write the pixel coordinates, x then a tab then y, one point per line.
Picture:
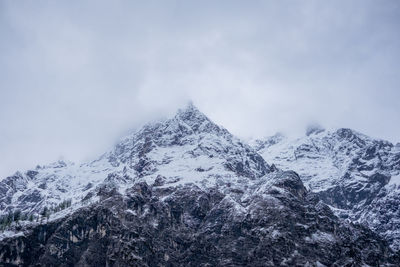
188	226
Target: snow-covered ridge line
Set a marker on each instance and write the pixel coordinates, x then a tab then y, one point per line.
188	148
351	172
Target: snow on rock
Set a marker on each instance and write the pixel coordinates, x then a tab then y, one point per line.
356	175
188	148
186	192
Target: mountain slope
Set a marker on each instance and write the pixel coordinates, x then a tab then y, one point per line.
354	174
188	148
188	142
180	192
272	221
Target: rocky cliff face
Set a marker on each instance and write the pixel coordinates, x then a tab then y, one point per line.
187	148
181	192
271	221
356	175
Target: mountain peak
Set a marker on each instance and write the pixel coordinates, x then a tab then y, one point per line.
189	135
190	106
192	118
190	112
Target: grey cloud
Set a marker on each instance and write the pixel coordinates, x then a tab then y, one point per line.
75	76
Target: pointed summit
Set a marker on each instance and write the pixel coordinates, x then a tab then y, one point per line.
190	112
194	119
186	140
189	107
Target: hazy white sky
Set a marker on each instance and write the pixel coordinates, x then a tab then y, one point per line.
76	75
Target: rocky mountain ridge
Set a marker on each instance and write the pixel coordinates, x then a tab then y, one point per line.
180	192
163	151
356	175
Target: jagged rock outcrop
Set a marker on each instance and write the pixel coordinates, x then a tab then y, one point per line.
180	192
356	175
189	143
273	221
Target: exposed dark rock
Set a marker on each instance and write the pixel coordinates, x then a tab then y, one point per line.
186	192
31	174
349	171
193	227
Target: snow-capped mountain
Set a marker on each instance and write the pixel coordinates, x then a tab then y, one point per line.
179	192
358	176
187	148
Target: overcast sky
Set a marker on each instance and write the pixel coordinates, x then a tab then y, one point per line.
77	75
